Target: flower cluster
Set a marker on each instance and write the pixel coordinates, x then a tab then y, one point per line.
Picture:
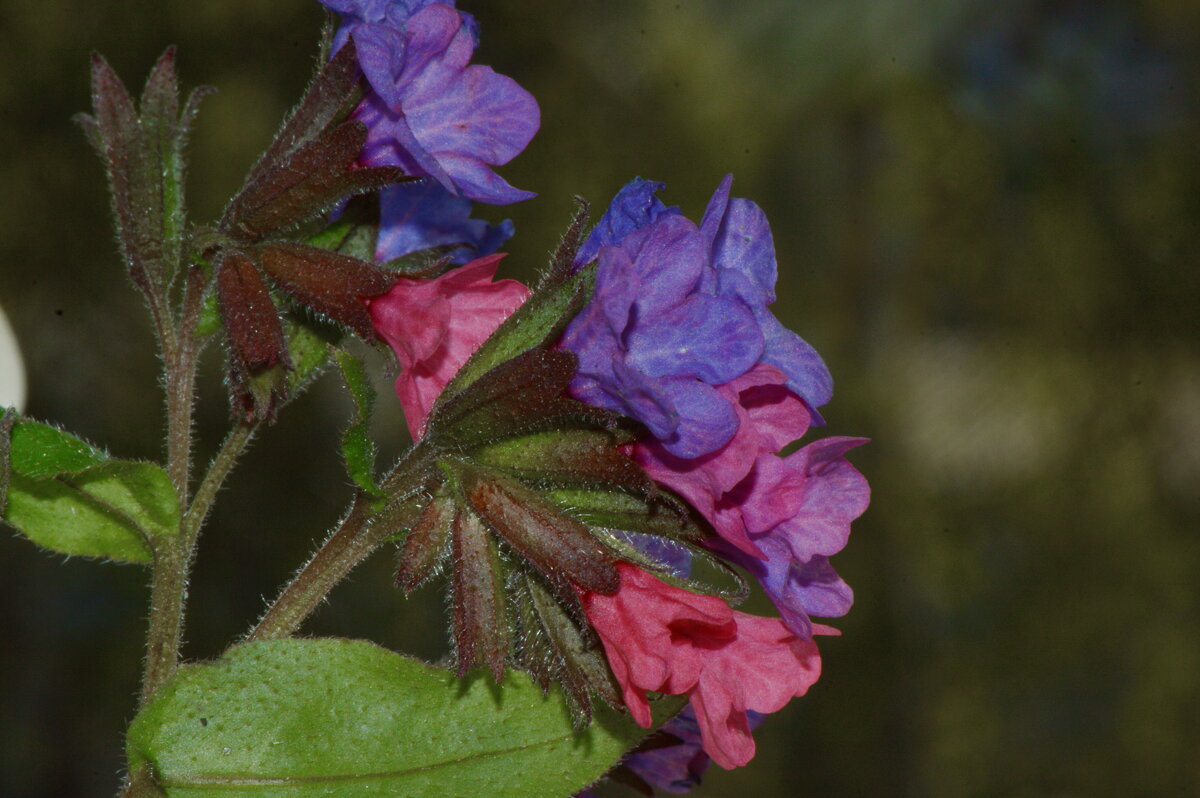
586	453
679	310
676	336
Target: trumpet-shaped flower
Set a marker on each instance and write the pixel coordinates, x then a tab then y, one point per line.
433	326
662	638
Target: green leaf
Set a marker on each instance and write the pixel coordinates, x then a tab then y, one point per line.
358	449
40	450
68	496
536	323
209	322
319	717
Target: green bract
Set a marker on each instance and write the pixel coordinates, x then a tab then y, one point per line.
538	322
322	717
358	450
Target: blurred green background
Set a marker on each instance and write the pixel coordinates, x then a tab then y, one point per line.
986	215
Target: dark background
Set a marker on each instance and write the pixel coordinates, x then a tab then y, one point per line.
986	220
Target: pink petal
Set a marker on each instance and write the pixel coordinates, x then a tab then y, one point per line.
663	638
833	494
434	326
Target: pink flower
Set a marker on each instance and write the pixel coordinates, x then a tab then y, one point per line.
434	326
769	417
780	518
666	639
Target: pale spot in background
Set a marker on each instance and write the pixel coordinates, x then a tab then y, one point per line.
12	370
974	411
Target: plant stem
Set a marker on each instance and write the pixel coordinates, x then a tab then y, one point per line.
168	587
349	545
141	784
180	381
224	461
172	555
359	534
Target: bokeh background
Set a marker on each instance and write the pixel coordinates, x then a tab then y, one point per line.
986	215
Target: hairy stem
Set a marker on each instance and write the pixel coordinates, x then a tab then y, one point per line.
180	381
168	587
141	784
224	461
359	534
172	555
349	545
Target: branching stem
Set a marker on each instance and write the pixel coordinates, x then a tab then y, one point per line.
224	461
359	534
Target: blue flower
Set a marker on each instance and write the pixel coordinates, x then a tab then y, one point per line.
675	768
680	309
679	766
421	215
428	110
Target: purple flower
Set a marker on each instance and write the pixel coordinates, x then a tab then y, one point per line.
634	207
797	511
675	767
743	257
421	215
359	15
428	110
679	310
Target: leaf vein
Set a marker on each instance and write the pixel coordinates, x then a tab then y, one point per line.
229	782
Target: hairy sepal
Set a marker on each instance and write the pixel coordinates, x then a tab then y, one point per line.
142	148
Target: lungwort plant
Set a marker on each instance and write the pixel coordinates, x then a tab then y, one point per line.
595	480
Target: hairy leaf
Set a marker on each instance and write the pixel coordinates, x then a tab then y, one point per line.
320	717
68	496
